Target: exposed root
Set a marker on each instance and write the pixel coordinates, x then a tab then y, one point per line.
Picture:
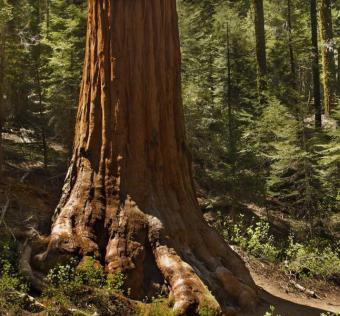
201	273
188	290
25	267
245	296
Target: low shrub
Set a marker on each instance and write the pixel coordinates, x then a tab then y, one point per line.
12	284
116	281
271	312
159	307
255	238
317	258
314	258
71	277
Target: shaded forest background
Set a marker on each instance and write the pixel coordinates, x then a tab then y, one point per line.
250	129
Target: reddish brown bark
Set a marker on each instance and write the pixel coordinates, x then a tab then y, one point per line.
128	198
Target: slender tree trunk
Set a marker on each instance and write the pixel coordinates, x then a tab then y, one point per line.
47	17
338	70
128	197
2	74
42	125
208	11
231	140
315	63
39	89
261	56
293	64
230	106
327	53
290	44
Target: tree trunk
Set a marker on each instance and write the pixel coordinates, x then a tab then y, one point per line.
260	49
327	53
47	17
39	89
231	143
2	74
338	70
290	45
128	198
315	63
231	138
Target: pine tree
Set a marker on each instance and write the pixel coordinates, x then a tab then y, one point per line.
315	63
261	55
327	52
66	38
5	16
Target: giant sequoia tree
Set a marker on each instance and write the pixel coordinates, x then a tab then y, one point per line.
128	197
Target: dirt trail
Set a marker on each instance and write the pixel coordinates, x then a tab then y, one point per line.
292	304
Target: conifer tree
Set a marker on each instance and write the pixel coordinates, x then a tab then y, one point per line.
5	16
315	63
66	38
261	56
327	52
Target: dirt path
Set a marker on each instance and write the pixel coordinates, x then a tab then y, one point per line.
292	304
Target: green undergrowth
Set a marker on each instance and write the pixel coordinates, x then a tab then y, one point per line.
86	287
271	312
83	288
157	307
74	288
12	284
313	258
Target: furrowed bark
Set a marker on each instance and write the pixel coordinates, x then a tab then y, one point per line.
128	198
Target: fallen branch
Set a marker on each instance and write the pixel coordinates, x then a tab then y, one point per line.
304	290
31	300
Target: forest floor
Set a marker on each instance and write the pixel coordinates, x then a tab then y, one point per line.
29	194
276	290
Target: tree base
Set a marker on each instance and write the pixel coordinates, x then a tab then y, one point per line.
192	262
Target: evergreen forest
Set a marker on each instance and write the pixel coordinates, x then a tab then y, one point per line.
170	157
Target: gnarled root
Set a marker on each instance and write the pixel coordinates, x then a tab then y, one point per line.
188	290
196	284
